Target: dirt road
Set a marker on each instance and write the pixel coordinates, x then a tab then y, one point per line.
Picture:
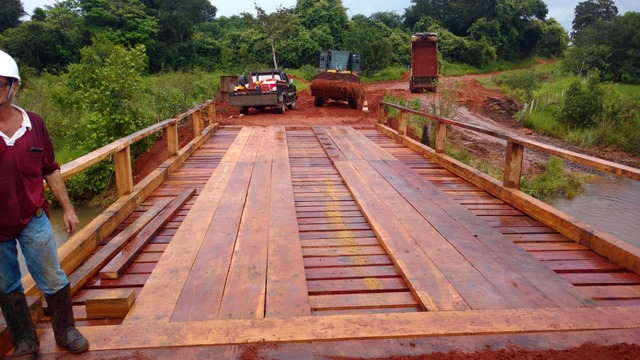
472	106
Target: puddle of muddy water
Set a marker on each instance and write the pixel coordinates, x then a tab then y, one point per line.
610	204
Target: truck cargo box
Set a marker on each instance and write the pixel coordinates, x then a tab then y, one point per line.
424	62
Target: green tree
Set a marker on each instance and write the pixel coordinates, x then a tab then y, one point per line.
316	13
102	87
590	11
276	26
38	45
177	22
176	19
554	40
371	41
121	21
512	27
583	105
301	47
391	19
611	46
10	13
625	45
581	60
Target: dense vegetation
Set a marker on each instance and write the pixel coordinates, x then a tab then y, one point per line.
98	70
184	35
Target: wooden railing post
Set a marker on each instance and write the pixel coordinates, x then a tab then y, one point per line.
513	165
124	172
380	114
211	112
441	138
173	141
402	124
196	117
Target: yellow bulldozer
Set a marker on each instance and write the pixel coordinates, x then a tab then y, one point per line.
338	78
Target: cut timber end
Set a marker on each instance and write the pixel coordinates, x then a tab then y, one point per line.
113	304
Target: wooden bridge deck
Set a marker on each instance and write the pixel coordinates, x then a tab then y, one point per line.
335	241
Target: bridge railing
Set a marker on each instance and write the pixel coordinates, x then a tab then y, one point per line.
619	251
515	147
82	244
120	149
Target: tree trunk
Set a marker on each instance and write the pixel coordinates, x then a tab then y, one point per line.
273	51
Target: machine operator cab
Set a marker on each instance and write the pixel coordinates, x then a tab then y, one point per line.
340	62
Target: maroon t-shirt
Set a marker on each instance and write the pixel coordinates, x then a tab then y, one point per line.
22	168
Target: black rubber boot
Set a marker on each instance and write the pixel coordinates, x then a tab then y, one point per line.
64	327
23	332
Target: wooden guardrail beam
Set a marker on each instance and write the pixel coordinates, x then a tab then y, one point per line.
586	160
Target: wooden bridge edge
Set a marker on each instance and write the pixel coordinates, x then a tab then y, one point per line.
622	253
84	242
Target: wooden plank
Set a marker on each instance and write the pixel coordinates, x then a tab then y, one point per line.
204	288
582	265
158	298
352	286
567	255
426	280
351	272
90	268
352	260
114	304
553	246
344	250
287	289
602	278
612	292
368	326
245	283
118	264
311	243
351	301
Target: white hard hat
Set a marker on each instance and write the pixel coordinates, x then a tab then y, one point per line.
8	66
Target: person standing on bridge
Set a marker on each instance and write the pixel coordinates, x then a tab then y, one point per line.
26	158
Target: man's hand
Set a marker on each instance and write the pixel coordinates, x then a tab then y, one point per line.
70	222
56	185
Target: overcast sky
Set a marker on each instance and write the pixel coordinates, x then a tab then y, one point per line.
561	10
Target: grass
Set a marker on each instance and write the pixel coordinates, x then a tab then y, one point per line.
453	69
619	126
554	182
388	74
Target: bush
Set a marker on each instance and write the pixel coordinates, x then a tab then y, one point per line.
523	82
583	105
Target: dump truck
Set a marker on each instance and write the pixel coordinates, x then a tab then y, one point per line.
424	62
338	78
262	89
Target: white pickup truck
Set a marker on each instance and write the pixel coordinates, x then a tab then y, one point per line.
262	89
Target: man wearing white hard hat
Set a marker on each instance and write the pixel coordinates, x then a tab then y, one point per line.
26	158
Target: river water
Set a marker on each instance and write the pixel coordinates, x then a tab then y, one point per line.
608	203
85	215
